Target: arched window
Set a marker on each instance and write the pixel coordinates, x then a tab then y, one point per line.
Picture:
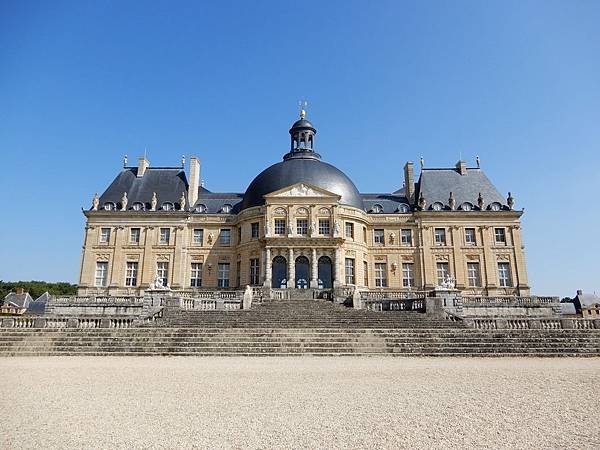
495	206
138	206
403	208
200	208
466	206
109	206
377	208
437	206
167	206
226	209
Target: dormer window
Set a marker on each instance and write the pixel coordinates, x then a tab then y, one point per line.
377	209
138	206
200	208
403	208
466	206
495	206
437	206
109	206
226	209
167	206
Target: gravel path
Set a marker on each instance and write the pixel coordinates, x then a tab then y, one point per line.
154	402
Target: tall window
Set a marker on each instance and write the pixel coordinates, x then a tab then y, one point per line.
198	236
366	273
365	234
134	235
324	228
504	274
280	227
162	272
442	272
101	274
239	239
408	277
165	235
223	275
302	227
380	274
238	273
378	237
470	238
196	275
254	230
440	236
473	274
254	272
225	236
406	237
349	230
500	234
131	273
104	235
349	271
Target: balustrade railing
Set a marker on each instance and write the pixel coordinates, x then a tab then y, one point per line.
391	294
98	300
395	304
508	301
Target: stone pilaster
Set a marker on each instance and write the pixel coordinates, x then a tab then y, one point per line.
291	269
315	270
148	264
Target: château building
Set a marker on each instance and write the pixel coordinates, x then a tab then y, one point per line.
302	223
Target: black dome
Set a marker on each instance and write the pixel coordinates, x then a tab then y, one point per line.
302	123
308	170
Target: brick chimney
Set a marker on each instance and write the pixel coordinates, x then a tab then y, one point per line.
143	164
19	291
409	181
461	166
194	180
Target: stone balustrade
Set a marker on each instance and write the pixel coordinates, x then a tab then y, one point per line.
532	324
508	301
388	294
70	322
96	300
417	304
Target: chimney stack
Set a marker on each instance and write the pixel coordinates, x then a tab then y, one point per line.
194	180
19	291
409	182
143	164
462	167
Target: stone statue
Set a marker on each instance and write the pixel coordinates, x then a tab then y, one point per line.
510	201
452	201
210	238
478	161
124	202
480	201
313	228
125	161
182	201
267	231
422	202
392	238
336	228
290	229
422	162
153	202
157	285
95	202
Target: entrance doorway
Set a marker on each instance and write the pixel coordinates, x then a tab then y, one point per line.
279	272
302	272
325	272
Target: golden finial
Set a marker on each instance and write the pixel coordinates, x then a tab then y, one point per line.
302	104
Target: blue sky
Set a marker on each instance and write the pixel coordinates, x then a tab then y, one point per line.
83	83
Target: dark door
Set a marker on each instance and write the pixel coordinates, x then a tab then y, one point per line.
302	272
278	271
324	272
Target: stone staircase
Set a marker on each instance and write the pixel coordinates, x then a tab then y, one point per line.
294	328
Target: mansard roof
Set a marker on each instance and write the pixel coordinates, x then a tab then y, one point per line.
214	202
390	203
167	182
436	184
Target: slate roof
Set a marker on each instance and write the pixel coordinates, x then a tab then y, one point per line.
214	201
167	182
38	306
436	185
389	202
18	300
585	300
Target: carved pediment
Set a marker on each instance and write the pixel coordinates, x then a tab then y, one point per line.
302	190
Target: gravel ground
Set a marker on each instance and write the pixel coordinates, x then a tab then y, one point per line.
161	402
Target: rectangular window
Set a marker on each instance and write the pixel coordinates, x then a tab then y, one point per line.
239	240
165	235
302	227
349	270
104	235
470	238
406	237
254	230
225	236
238	273
443	272
101	274
198	236
162	272
131	274
408	277
134	235
349	230
324	228
378	237
366	273
196	275
504	274
380	275
500	236
223	275
473	274
365	234
280	227
254	272
440	236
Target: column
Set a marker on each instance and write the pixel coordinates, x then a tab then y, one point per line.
428	274
267	267
315	270
459	263
179	270
519	255
117	277
337	272
491	269
291	269
148	265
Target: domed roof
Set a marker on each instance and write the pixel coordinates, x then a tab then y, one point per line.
308	170
302	123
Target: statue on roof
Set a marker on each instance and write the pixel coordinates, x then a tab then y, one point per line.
452	201
422	202
124	202
510	201
478	161
182	201
480	202
153	202
95	202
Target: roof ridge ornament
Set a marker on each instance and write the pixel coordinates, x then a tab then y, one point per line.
303	104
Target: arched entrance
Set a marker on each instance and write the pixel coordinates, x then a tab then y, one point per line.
279	272
302	275
325	266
